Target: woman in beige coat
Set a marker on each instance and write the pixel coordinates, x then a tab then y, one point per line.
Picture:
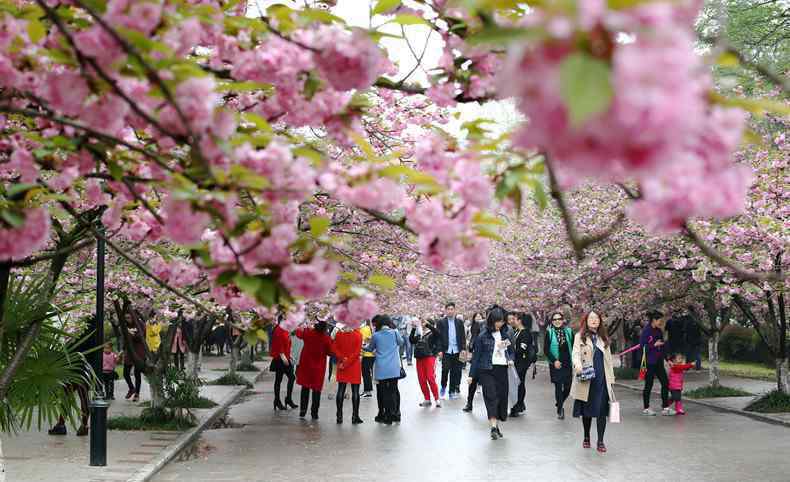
593	376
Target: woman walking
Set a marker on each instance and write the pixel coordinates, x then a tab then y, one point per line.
282	366
652	341
312	366
474	332
347	348
134	357
385	343
523	350
490	358
368	358
426	345
557	347
594	375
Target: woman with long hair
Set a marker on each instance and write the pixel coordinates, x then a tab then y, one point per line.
492	353
312	366
386	343
347	348
474	331
594	375
557	345
426	345
523	349
282	366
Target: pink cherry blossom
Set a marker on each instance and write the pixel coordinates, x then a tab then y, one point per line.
347	61
353	312
183	224
311	280
31	236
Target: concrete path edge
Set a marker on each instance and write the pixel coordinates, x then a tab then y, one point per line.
169	453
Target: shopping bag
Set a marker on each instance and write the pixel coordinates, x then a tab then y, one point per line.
643	366
614	411
512	384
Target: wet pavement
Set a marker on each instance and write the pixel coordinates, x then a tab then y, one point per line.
440	444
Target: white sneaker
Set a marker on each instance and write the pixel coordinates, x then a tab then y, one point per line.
426	403
438	404
648	412
668	412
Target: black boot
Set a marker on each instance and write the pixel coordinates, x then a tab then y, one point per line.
278	405
315	405
355	405
304	400
561	413
59	429
290	403
468	407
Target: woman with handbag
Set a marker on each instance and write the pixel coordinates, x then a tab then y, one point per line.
491	356
524	351
594	375
426	345
557	347
386	343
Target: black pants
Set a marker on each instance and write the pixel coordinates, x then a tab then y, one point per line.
178	360
304	399
367	372
495	386
138	378
278	379
470	396
522	387
656	371
340	398
601	426
677	395
108	380
562	389
451	366
388	398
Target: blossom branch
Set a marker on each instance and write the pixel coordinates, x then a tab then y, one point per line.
401	223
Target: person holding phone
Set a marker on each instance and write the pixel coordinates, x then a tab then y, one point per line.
491	355
652	341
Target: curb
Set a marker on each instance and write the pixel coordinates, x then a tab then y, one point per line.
760	417
167	455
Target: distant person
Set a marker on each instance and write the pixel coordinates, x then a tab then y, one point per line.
312	366
652	341
676	335
386	343
134	357
693	343
677	374
558	347
368	357
594	375
109	362
407	350
452	343
490	357
425	340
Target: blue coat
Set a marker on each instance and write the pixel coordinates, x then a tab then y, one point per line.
483	351
386	343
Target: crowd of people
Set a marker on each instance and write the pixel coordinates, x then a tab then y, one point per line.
498	347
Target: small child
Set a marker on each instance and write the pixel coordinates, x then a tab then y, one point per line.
109	361
677	372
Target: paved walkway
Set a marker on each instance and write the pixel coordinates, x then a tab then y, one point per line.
35	456
447	444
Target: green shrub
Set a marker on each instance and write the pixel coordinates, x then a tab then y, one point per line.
181	391
150	419
247	367
229	379
716	392
771	402
736	343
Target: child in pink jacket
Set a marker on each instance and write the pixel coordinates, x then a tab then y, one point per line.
677	372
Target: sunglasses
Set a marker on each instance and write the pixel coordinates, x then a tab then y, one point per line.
556	319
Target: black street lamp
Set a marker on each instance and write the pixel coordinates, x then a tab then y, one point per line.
98	426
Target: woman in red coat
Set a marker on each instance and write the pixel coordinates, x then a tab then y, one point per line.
347	348
312	366
282	366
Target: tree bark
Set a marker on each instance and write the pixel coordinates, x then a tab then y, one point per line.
234	358
157	396
192	364
713	358
782	376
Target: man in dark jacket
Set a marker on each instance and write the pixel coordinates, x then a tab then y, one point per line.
693	342
452	341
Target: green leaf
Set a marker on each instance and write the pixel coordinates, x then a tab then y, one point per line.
247	86
319	226
382	281
35	31
251	337
585	86
225	277
487	232
757	107
408	19
115	170
248	284
19	188
319	15
267	292
14	219
501	35
485	218
256	119
384	6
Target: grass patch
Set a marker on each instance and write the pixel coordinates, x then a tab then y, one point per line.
201	402
229	379
716	392
219	369
247	367
771	402
745	370
150	420
626	373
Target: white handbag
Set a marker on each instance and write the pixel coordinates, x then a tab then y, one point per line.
614	411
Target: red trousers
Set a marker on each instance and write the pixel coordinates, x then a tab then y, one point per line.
426	374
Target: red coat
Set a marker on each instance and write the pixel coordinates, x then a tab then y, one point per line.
281	343
347	347
312	363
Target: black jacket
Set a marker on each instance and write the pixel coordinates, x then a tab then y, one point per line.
425	345
524	348
460	335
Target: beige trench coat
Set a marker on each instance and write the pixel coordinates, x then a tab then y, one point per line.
583	356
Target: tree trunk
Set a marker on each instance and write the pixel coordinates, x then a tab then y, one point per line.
782	373
193	360
713	357
234	358
155	385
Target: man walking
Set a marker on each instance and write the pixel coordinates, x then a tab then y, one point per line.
452	342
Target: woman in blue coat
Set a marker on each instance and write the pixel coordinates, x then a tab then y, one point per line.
491	355
386	343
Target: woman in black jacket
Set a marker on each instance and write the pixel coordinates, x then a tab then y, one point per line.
492	353
474	331
524	349
426	345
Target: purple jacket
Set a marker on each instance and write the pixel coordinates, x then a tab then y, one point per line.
648	339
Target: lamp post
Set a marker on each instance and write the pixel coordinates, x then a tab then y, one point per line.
98	426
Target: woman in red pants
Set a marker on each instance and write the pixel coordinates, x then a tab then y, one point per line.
347	347
426	345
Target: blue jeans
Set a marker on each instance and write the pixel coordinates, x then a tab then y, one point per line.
694	354
407	349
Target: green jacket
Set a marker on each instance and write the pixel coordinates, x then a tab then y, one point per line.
554	345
